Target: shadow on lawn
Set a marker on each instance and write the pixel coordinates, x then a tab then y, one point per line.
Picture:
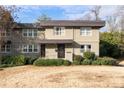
120	65
1	69
121	62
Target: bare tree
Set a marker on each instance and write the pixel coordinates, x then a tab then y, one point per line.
111	22
87	16
120	13
43	17
96	11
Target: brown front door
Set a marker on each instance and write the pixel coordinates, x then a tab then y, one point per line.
61	50
42	50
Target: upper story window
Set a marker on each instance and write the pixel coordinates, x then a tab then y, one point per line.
30	48
5	48
59	31
5	33
29	33
85	31
85	48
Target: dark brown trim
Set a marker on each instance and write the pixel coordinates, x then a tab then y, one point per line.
43	50
61	50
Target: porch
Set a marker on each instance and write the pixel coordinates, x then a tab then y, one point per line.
53	49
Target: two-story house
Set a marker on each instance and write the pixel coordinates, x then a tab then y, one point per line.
52	39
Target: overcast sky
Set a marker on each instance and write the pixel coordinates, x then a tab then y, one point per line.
29	13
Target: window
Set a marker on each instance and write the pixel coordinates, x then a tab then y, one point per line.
25	33
5	48
59	30
5	33
85	48
35	33
82	48
35	48
25	48
29	33
30	48
85	31
88	48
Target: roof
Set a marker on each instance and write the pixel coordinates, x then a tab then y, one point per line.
54	41
27	25
68	23
72	23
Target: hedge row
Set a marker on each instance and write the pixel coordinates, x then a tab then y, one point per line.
89	58
105	61
10	61
51	62
13	60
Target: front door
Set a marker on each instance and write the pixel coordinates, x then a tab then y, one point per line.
42	50
61	50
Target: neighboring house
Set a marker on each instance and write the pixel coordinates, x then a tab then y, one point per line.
52	39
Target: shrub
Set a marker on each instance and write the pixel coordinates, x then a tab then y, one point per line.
105	61
86	62
51	62
76	63
89	55
66	63
6	59
0	60
48	62
55	62
30	60
3	65
77	59
6	65
96	62
18	60
108	61
13	60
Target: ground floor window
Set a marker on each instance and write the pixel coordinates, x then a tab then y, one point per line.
5	48
30	48
85	48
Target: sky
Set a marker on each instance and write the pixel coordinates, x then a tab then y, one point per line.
29	13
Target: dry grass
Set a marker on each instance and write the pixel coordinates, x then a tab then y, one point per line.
72	76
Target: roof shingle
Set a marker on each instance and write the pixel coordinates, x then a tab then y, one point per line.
68	23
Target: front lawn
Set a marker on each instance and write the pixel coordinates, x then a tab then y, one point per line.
62	76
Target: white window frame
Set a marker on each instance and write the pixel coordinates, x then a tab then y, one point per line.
85	48
33	32
85	30
26	47
5	33
61	31
5	48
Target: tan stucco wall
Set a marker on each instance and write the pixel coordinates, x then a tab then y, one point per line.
51	52
94	47
68	52
92	38
74	33
49	34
